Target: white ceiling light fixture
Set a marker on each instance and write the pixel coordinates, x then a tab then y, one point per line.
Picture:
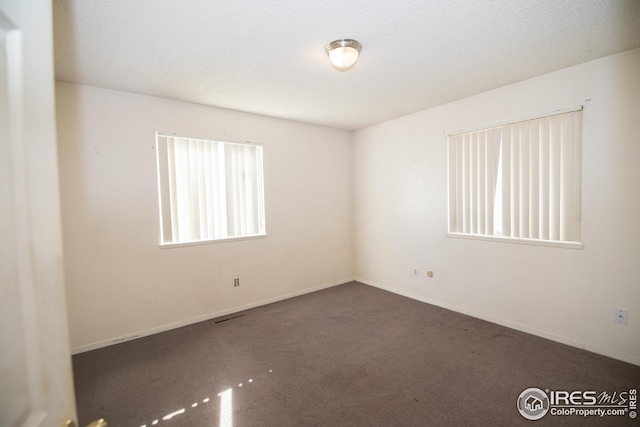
343	53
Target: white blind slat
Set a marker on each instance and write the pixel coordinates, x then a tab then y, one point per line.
554	180
524	180
481	174
515	181
534	179
566	177
543	187
466	185
506	181
491	160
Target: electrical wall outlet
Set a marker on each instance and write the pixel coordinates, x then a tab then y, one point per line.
416	271
236	282
620	316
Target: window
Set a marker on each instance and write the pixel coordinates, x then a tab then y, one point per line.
209	190
519	181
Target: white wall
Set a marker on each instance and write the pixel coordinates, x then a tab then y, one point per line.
400	214
121	284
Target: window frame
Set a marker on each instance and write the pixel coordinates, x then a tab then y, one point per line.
165	217
576	195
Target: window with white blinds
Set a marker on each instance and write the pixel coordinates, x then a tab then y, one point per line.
209	190
519	181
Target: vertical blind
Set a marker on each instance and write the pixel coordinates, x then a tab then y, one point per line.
520	180
209	189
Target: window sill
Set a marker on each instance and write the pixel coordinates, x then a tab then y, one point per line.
214	241
517	240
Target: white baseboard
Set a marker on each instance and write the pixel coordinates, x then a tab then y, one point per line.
186	322
517	326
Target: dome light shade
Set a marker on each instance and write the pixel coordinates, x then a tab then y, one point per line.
343	53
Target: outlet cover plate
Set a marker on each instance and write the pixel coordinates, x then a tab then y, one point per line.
620	316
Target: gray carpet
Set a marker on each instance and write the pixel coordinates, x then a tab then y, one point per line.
351	355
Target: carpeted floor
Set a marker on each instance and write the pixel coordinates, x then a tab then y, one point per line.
351	355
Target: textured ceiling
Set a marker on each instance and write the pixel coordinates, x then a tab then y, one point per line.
267	57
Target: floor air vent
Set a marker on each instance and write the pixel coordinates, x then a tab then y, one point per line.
226	319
